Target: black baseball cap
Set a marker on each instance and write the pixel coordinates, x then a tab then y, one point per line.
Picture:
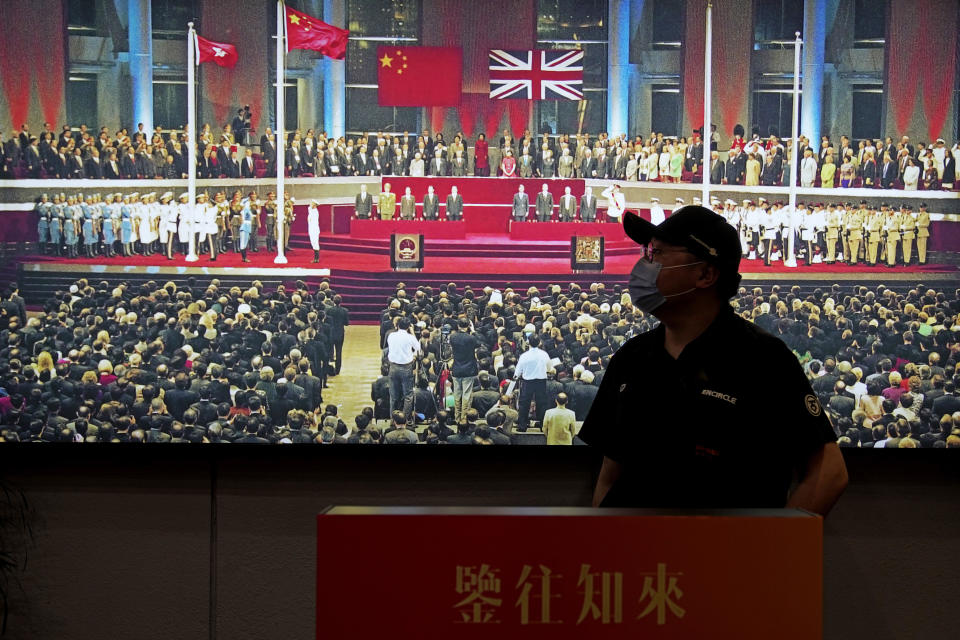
701	231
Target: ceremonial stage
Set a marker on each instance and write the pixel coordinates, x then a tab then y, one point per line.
485	248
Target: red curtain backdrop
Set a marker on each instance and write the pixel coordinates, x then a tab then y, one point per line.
921	58
478	27
33	46
732	45
227	90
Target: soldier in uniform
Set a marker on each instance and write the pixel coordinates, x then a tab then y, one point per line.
57	217
236	218
186	223
386	203
751	224
270	222
544	206
908	233
110	210
454	205
891	229
207	217
521	205
254	243
408	205
42	210
808	231
854	230
89	235
289	215
833	233
431	205
568	206
923	233
363	204
769	228
874	226
126	227
70	226
168	223
246	224
313	229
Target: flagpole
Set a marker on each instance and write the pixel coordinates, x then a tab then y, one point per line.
281	162
707	104
191	139
795	122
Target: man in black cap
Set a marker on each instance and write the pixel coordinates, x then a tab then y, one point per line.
716	435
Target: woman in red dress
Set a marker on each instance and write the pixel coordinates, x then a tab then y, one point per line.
481	163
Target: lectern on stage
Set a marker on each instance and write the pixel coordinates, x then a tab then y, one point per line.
558	573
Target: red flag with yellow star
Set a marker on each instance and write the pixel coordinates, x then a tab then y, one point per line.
419	76
306	32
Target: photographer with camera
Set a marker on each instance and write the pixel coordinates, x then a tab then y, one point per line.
465	368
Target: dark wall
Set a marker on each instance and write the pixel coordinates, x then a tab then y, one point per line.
220	542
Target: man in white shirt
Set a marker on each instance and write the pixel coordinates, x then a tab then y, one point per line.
531	371
656	212
402	350
560	423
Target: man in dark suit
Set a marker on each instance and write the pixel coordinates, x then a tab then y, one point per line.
544	205
842	402
128	165
438	166
431	205
75	165
111	168
294	160
717	168
521	205
92	168
949	402
232	169
588	166
180	397
247	169
268	151
889	172
588	206
205	165
454	205
312	385
338	317
32	155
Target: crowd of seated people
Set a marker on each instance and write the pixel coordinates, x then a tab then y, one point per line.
210	363
161	363
881	362
77	152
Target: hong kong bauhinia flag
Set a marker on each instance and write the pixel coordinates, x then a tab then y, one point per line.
536	74
220	53
306	32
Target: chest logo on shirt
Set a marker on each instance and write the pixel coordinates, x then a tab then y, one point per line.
719	396
813	405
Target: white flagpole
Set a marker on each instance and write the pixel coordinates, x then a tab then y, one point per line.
281	155
795	122
707	103
191	140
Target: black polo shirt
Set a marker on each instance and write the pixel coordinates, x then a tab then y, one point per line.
724	425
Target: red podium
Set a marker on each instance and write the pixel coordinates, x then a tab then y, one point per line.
569	573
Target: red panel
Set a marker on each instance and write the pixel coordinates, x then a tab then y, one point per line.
429	228
565	230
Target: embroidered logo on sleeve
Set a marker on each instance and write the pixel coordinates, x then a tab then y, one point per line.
813	405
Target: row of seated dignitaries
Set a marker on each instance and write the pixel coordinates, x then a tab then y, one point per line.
567	207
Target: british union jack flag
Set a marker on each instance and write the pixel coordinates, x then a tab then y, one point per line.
555	74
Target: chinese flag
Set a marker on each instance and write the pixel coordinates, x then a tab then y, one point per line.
419	76
219	53
306	32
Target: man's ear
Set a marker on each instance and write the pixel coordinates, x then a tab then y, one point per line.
709	274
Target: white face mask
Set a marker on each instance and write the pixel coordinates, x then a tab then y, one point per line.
643	284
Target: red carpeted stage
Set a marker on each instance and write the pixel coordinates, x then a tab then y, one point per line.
486	247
